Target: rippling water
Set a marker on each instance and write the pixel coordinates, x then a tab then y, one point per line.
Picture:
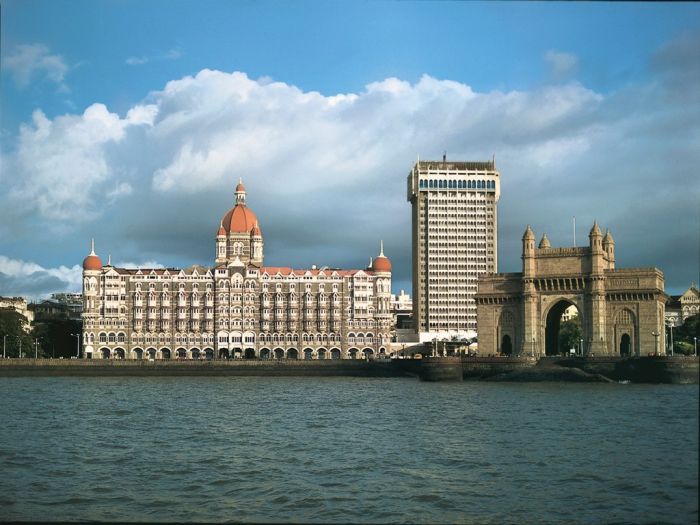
346	450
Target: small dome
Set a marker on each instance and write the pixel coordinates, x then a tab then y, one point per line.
92	261
381	263
595	230
608	239
544	243
529	234
221	230
239	187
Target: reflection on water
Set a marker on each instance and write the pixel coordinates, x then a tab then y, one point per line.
346	450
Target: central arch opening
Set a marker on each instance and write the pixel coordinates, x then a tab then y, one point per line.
563	331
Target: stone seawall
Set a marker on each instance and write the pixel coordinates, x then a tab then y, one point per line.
82	367
670	370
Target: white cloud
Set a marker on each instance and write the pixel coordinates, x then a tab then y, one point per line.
326	174
172	54
28	61
562	65
23	278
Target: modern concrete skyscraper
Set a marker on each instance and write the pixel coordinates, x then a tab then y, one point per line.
454	212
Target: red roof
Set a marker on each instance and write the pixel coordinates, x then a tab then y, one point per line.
381	264
239	219
92	262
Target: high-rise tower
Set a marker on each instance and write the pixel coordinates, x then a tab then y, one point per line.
454	216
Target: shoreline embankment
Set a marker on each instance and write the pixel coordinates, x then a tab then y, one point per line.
653	369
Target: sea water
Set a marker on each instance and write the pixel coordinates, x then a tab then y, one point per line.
254	449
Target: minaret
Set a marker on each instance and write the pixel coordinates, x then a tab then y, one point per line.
597	317
92	268
530	344
609	249
220	245
528	252
256	245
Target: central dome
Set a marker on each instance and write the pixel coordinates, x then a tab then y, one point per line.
239	219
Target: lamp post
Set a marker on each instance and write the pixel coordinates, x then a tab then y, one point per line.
670	326
77	341
36	347
532	349
4	343
656	335
20	347
695	341
580	347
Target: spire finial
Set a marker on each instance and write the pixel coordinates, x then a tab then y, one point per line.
109	260
92	246
381	248
240	180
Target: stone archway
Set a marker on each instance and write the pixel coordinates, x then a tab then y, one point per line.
625	345
553	320
506	345
292	353
249	353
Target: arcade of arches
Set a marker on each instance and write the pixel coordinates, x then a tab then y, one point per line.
621	311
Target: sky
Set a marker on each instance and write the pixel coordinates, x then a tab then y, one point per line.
131	122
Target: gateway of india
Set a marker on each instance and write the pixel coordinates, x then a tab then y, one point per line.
238	308
621	310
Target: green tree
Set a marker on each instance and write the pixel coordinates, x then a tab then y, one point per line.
683	336
56	339
13	331
570	334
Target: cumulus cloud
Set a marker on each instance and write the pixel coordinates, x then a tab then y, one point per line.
31	280
562	65
30	61
326	174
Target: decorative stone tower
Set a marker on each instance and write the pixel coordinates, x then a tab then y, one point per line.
596	319
529	342
239	237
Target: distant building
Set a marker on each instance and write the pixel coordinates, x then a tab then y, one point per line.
238	308
19	304
570	313
454	237
680	307
52	310
402	310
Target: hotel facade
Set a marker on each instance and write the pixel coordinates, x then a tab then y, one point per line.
454	237
238	308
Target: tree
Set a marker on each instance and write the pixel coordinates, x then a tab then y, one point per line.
56	338
570	333
13	330
683	336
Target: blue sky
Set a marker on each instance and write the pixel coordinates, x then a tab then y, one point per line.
131	122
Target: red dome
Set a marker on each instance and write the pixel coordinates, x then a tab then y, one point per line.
92	262
239	187
239	219
381	264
